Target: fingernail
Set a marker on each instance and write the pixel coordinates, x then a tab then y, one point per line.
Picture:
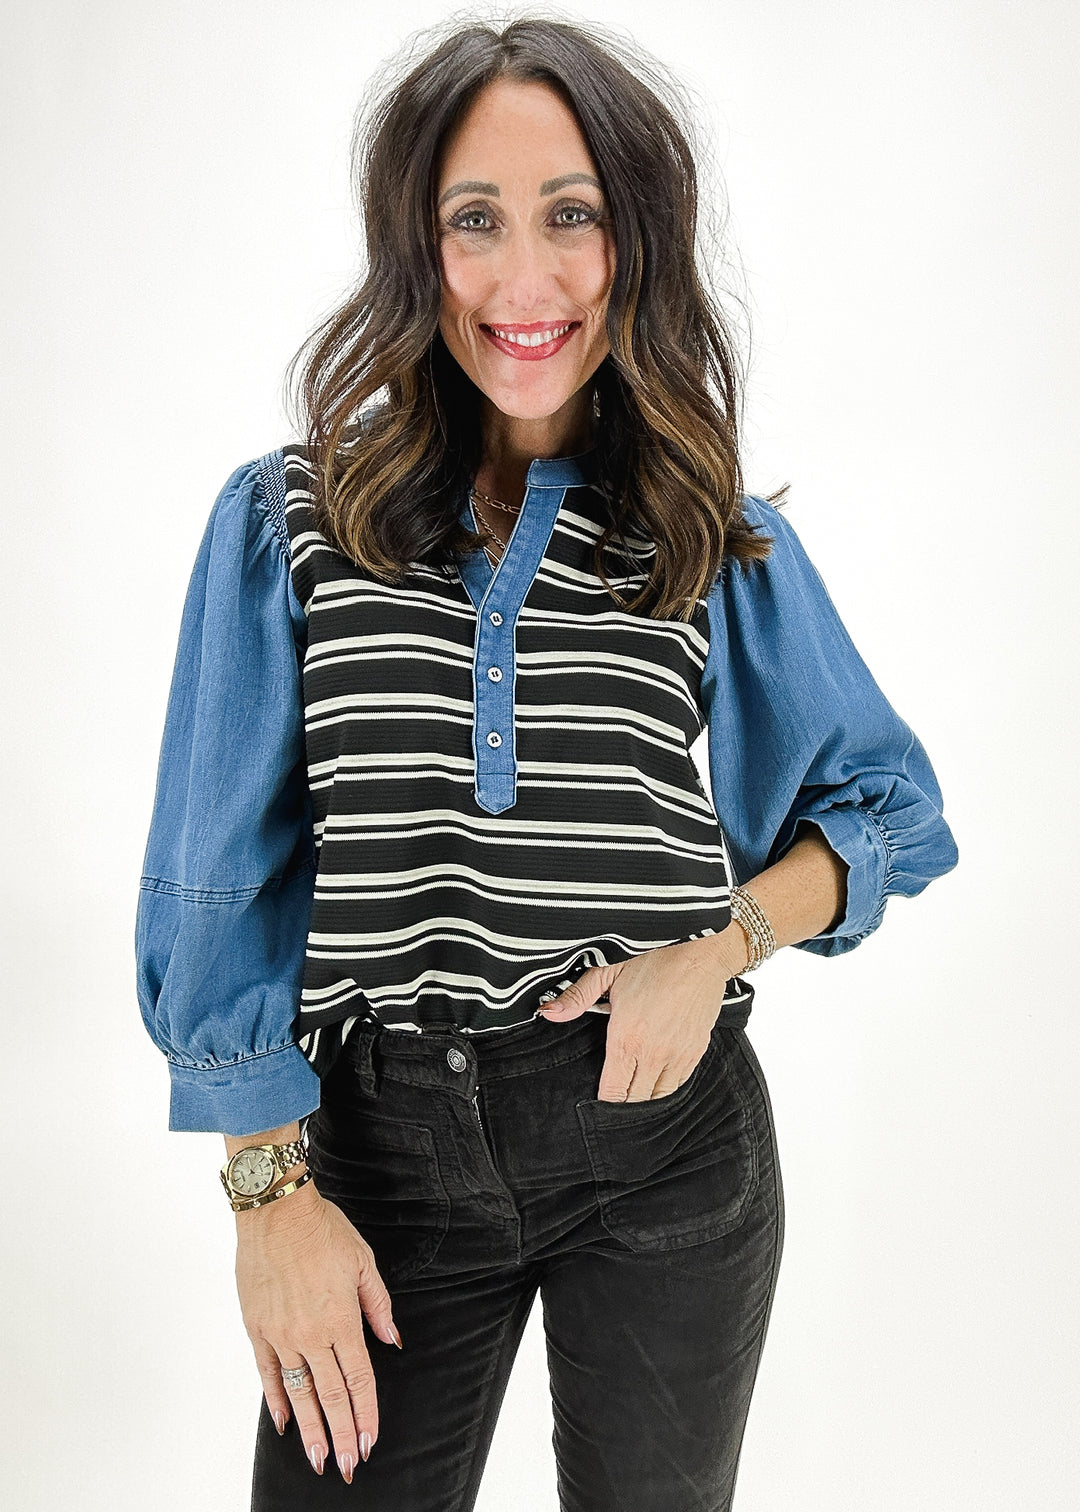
346	1463
396	1335
279	1419
365	1444
317	1454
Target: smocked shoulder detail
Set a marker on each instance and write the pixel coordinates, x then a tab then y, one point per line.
271	469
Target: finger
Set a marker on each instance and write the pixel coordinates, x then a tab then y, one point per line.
590	987
562	1010
618	1072
674	1073
642	1085
375	1300
669	1080
355	1365
337	1409
277	1398
304	1399
627	1076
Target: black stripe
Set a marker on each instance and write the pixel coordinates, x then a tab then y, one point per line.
427	906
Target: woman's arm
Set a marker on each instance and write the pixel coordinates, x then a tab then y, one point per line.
802	739
228	874
827	803
664	1002
224	909
802	895
306	1279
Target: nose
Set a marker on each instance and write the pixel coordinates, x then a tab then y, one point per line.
527	270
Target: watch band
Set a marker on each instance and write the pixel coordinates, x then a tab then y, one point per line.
289	1154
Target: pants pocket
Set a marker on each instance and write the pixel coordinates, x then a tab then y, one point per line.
680	1169
384	1175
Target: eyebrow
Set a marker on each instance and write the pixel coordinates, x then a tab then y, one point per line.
549	186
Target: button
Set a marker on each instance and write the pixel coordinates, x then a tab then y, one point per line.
456	1060
495	674
495	617
494	738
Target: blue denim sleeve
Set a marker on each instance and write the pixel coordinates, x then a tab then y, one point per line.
798	729
228	874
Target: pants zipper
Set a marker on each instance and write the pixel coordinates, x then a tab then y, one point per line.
483	1131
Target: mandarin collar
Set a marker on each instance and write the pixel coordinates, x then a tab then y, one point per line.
563	472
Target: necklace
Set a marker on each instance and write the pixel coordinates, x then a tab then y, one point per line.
488	530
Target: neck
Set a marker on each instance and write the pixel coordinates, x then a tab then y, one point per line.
510	444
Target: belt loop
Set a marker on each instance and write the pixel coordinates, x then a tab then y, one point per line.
365	1062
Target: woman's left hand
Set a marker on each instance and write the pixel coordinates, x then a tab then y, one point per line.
664	1004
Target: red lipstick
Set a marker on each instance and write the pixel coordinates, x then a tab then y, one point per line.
530	353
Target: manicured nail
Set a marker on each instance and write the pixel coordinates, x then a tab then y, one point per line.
317	1454
395	1334
365	1444
279	1419
346	1463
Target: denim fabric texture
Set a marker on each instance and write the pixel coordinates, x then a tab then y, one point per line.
484	1170
797	728
497	596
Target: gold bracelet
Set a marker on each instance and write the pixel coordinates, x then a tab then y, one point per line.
282	1191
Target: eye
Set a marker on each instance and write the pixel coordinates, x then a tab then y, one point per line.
587	217
588	214
458	221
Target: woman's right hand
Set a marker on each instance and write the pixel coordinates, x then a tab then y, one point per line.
306	1278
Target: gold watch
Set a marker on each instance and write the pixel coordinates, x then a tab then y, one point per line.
249	1174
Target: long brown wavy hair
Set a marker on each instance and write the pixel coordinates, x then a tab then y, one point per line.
389	479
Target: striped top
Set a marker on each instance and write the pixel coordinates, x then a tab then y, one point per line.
443	800
499	766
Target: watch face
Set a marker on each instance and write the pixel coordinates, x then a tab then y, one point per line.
251	1172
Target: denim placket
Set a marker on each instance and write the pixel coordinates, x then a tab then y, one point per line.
498	594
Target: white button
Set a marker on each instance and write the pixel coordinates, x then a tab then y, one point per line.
494	739
495	674
456	1060
495	617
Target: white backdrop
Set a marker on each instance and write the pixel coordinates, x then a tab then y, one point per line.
903	186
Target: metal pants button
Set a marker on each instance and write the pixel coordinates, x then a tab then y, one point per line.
456	1060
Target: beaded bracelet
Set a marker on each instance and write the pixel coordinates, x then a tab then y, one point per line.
748	912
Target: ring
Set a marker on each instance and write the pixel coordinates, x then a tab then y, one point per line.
295	1376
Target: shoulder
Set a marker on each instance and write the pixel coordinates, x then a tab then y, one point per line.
758	511
256	494
787	553
765	520
272	492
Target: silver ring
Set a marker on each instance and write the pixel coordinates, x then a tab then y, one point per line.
295	1376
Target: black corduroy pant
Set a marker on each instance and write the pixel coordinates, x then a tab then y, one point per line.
482	1170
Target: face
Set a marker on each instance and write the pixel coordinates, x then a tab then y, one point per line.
524	248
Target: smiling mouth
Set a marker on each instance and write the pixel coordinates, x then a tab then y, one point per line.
531	344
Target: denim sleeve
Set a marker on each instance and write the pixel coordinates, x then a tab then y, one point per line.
798	729
228	874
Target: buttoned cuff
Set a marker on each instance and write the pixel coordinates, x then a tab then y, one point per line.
858	840
245	1096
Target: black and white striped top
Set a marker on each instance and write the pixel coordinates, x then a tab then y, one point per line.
498	761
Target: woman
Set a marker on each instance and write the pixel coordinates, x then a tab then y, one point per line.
438	926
